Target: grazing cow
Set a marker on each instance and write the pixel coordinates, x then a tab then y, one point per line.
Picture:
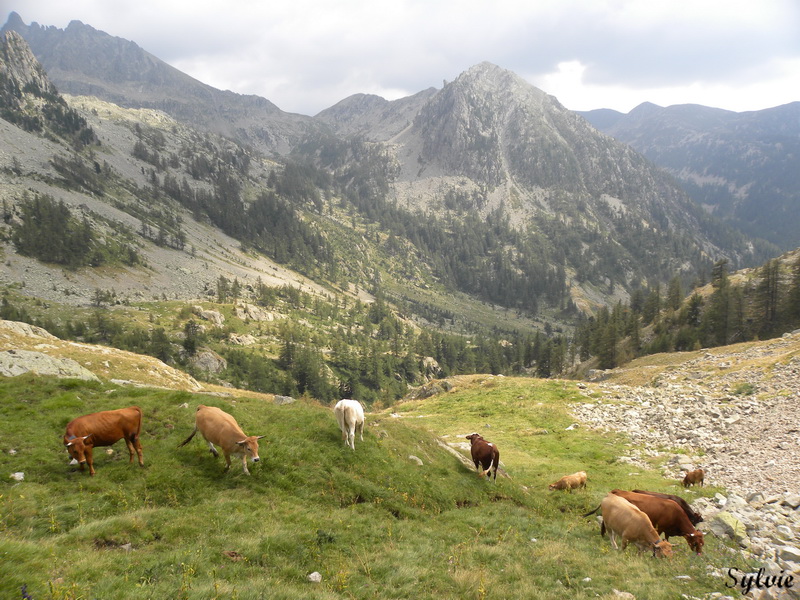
350	416
104	428
666	516
623	519
218	427
694	477
570	482
694	517
484	454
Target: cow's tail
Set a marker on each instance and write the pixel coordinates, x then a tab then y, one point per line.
594	511
136	435
187	440
495	462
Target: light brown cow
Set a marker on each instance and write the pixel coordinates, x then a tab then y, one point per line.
666	516
623	519
694	477
570	482
218	427
104	428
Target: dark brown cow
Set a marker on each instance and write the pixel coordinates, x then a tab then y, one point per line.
694	477
694	517
484	454
666	516
104	428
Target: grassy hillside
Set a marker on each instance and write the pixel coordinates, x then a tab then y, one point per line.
373	522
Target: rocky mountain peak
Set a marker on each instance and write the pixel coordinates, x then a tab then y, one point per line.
19	67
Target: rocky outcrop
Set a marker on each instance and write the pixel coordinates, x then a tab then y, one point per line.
18	362
19	68
208	361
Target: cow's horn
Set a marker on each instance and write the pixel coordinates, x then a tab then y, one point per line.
260	436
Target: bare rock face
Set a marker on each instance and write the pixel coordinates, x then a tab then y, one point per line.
18	362
19	65
209	361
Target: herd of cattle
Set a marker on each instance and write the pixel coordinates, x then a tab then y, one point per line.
638	517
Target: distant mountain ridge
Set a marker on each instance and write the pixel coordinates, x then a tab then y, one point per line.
504	193
743	167
81	60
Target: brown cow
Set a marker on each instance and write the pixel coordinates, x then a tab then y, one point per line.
694	517
694	477
570	482
104	428
666	516
484	454
623	519
218	427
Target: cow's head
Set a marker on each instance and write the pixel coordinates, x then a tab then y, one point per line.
76	446
662	549
474	437
250	446
696	541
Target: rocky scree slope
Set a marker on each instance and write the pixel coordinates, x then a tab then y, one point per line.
733	411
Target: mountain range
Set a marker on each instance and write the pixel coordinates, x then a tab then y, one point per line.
487	187
741	167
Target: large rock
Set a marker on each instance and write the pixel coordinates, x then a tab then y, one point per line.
26	330
213	316
250	312
17	362
724	524
209	361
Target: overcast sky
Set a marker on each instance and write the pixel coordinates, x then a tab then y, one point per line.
306	55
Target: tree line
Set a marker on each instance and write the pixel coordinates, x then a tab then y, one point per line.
763	306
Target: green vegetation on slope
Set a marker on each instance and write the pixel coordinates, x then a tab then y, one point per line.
373	522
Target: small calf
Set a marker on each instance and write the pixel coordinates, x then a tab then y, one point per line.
694	477
570	482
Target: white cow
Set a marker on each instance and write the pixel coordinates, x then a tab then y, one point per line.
350	414
218	427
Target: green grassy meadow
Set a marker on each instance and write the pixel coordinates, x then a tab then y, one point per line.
372	522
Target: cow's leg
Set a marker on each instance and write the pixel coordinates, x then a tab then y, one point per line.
137	444
613	537
361	430
227	461
214	451
244	464
131	450
89	459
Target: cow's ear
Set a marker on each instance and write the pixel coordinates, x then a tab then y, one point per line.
242	443
67	445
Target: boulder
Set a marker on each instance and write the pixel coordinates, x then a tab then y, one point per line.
251	312
17	362
209	361
212	316
724	524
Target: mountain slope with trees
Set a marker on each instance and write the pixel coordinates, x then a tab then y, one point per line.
743	167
